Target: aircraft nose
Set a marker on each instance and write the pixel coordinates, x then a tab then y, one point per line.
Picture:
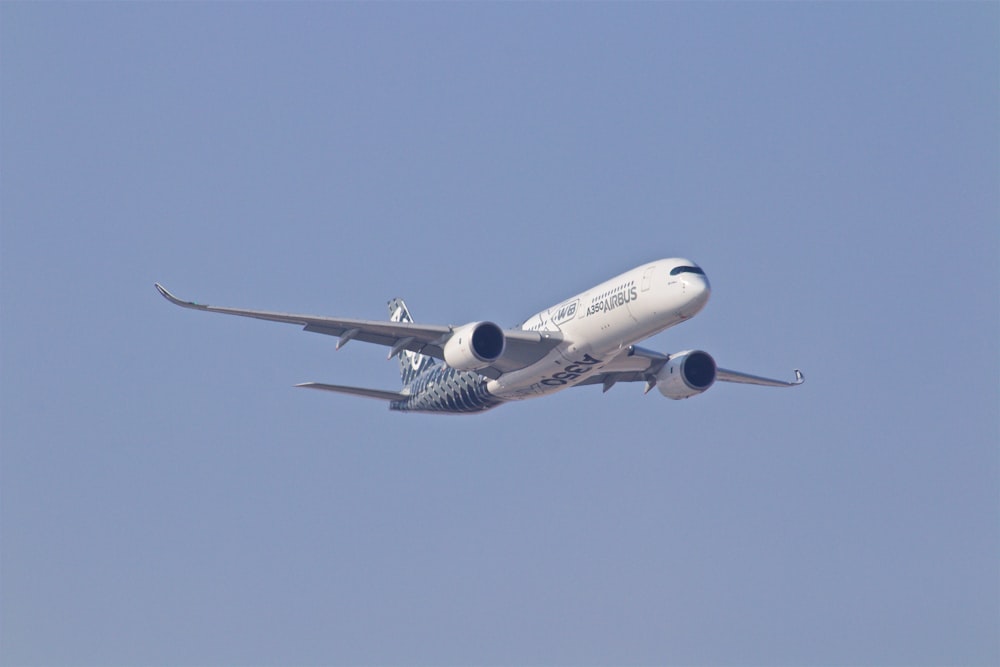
693	285
701	285
698	290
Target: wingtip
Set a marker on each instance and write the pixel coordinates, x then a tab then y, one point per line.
799	377
173	299
162	290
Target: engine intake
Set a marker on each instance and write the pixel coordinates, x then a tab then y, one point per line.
686	374
475	345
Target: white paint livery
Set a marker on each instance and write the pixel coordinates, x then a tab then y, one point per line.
587	339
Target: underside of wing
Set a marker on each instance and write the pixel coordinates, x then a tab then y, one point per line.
522	348
634	364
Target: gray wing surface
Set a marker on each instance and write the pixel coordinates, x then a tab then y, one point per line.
634	364
357	391
637	364
523	347
723	375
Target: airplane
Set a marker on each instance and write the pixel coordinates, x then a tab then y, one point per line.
588	339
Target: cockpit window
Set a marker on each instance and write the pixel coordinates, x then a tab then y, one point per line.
677	270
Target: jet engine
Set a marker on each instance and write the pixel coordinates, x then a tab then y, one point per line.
475	345
686	374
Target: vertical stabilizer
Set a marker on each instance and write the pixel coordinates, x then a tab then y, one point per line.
411	364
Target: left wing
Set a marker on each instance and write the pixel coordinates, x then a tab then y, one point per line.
523	347
723	375
638	364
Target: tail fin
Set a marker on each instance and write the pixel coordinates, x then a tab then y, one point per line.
411	364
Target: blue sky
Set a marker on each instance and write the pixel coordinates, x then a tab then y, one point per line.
168	497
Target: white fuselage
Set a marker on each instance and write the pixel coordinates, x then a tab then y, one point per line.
599	324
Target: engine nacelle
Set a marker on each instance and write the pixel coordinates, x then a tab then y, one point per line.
475	345
686	374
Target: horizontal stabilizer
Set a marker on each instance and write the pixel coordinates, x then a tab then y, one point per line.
358	391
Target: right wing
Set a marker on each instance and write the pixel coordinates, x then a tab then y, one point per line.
523	347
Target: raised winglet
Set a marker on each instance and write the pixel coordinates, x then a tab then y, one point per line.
177	302
799	377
